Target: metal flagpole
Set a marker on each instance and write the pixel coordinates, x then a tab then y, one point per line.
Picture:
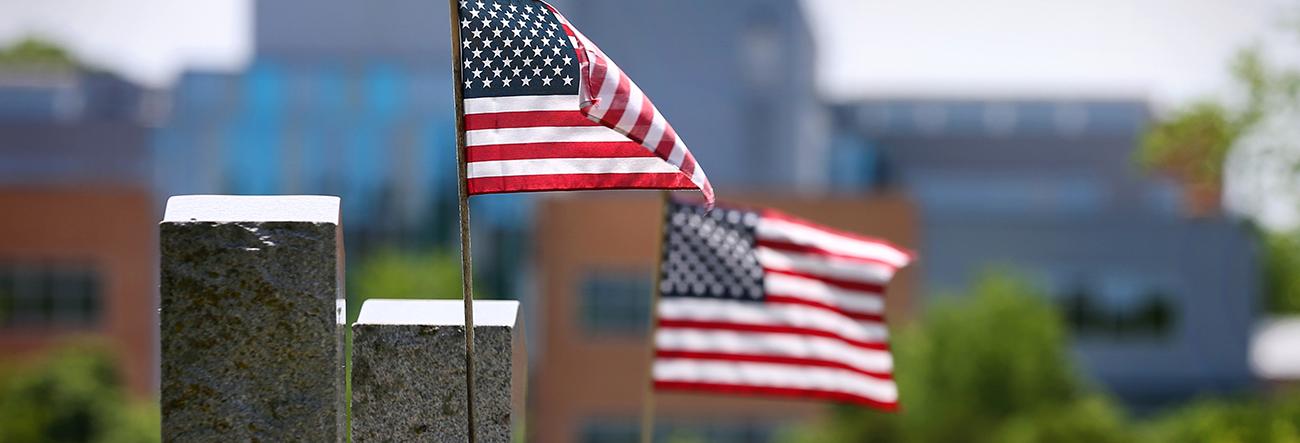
466	270
648	409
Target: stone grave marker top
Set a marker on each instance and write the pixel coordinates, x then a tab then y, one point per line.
437	312
252	208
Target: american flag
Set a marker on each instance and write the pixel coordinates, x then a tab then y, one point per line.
546	110
760	302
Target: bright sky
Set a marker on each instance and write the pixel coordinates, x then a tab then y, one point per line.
150	41
1165	50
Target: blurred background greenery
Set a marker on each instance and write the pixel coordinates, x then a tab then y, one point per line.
995	367
75	394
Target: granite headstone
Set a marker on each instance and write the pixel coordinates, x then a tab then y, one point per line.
408	371
252	319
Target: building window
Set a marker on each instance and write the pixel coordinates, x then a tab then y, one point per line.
49	295
616	302
1150	314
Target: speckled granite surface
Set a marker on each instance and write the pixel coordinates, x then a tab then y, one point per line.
251	331
408	382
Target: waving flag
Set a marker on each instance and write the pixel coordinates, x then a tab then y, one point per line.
760	302
546	110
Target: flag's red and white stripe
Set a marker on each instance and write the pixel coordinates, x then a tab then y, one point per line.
609	136
820	331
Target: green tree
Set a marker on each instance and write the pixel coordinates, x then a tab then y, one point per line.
992	366
394	273
1282	272
1192	144
73	395
1274	420
36	53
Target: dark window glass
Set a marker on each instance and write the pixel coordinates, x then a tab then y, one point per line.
622	430
1089	315
616	301
41	295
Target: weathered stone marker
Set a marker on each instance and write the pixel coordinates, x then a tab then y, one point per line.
252	319
408	371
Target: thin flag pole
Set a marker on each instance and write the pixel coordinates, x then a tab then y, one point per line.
466	270
648	408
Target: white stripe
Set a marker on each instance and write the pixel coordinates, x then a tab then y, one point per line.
546	166
773	314
678	153
698	177
633	111
820	265
775	376
816	290
521	103
608	89
777	229
658	126
778	345
542	134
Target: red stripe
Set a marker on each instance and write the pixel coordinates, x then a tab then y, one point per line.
599	70
526	119
771	329
643	121
781	392
874	288
754	358
688	163
784	299
773	214
809	249
618	106
524	151
665	147
575	182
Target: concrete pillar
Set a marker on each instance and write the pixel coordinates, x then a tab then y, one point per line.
408	371
252	319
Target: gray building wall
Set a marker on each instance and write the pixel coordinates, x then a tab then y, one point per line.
1161	305
73	128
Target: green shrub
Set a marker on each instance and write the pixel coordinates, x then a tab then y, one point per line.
74	394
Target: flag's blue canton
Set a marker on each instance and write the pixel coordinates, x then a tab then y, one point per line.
710	254
515	47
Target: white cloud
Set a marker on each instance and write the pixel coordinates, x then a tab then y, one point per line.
1165	50
149	41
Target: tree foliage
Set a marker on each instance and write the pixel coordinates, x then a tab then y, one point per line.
36	53
1216	421
74	394
992	366
394	273
1192	144
1282	272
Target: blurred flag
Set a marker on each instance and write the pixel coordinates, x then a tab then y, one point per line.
546	110
761	302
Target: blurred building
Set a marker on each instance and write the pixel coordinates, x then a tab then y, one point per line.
596	257
1161	304
77	245
349	99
